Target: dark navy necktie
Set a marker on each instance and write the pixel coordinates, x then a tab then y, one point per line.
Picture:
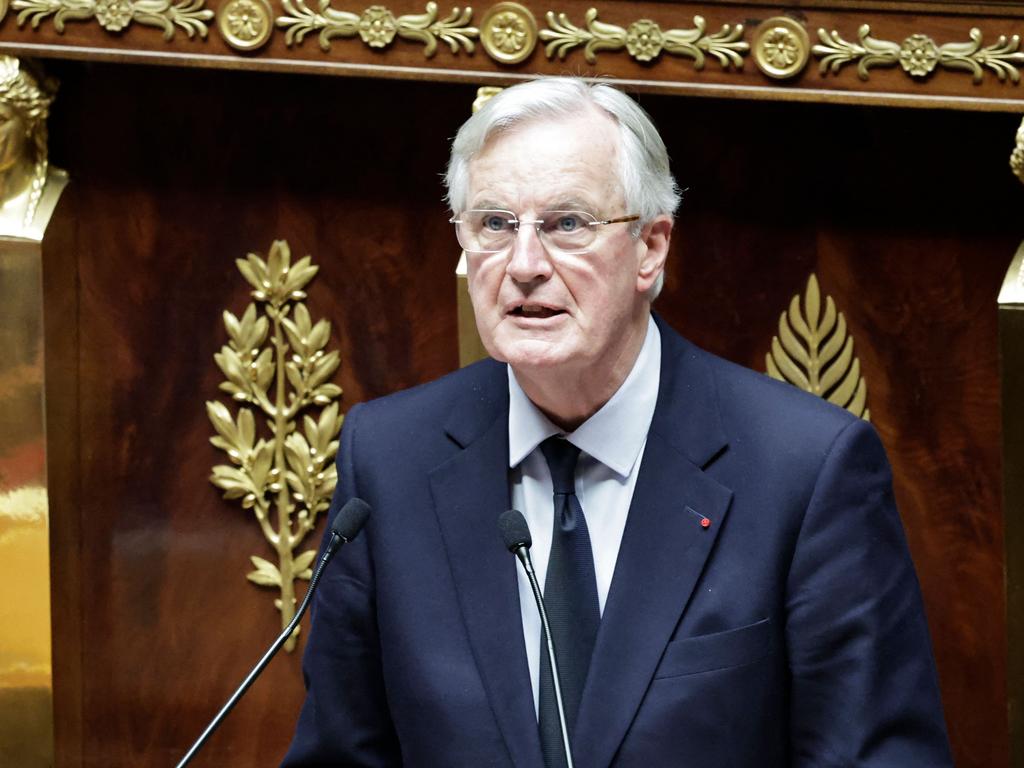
570	597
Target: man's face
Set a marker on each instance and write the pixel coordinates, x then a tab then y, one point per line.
12	137
536	308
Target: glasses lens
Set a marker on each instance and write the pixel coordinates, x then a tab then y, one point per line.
568	231
485	231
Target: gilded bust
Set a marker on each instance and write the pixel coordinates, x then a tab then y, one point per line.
29	186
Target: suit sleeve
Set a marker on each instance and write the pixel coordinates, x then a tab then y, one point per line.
344	719
864	690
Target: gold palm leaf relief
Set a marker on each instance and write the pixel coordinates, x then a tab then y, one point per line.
814	351
277	369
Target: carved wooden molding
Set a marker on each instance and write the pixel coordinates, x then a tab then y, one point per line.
899	55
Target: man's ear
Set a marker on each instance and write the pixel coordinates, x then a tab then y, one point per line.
655	236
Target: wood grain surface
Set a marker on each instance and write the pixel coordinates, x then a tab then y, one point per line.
909	219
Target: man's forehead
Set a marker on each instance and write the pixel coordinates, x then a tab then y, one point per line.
588	126
566	159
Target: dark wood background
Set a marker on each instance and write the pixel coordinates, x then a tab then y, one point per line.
909	219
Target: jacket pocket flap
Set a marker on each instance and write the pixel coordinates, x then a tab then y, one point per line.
720	650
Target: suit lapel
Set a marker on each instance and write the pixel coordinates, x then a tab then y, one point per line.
664	548
470	491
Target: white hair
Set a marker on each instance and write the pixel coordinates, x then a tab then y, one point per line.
648	187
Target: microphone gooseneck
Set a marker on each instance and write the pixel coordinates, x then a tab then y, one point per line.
515	532
345	527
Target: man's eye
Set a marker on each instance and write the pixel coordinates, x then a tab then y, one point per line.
495	223
568	222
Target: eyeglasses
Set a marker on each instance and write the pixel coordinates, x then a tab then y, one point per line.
492	231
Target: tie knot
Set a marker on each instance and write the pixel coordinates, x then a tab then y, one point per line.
561	456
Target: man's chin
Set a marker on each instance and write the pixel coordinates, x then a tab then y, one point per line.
532	355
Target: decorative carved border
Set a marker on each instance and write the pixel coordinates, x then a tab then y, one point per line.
918	55
116	15
378	27
510	34
644	40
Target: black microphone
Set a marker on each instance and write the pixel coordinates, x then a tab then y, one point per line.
515	532
346	525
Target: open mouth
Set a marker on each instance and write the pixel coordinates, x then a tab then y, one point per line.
536	311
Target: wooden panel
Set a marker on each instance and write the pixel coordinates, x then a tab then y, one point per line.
184	173
908	217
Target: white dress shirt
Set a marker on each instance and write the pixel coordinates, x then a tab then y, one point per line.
611	444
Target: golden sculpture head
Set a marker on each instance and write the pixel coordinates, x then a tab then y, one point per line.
24	107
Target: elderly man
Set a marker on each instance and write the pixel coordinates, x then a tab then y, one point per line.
725	570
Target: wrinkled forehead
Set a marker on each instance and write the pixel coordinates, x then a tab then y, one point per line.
550	161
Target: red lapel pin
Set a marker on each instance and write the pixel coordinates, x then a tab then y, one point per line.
705	522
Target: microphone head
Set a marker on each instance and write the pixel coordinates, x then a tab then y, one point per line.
350	519
515	531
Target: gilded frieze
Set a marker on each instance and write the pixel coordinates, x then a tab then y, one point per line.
644	40
919	56
814	351
377	27
117	15
277	368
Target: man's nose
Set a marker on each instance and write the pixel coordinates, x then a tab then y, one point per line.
529	260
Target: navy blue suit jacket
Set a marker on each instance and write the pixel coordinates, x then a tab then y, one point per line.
789	632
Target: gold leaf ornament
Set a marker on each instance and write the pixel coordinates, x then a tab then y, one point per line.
277	369
644	40
814	352
377	26
266	573
919	56
116	15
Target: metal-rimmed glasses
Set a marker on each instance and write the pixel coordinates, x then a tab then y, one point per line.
494	230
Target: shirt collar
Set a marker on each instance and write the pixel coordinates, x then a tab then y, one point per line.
615	434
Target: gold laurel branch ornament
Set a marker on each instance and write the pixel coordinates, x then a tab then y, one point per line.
815	353
644	40
116	15
378	27
1017	156
276	366
919	55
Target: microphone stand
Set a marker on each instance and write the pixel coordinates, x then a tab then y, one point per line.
523	553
